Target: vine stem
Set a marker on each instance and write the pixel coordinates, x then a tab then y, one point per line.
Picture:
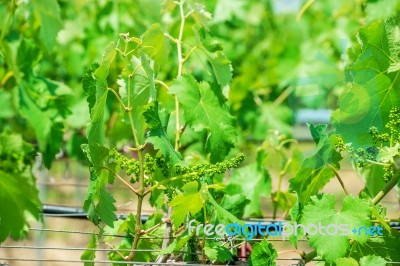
116	251
121	179
180	68
278	192
140	193
388	187
304	9
161	83
166	181
178	130
377	163
339	179
155	226
308	257
138	229
118	98
290	251
282	97
375	213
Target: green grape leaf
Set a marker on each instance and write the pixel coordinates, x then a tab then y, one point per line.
373	185
318	132
346	261
386	247
180	203
386	154
318	169
98	158
207	40
252	181
157	122
89	85
28	55
221	67
46	19
373	93
372	260
176	245
120	227
97	130
235	204
263	254
53	146
200	15
19	196
216	252
156	44
223	215
141	92
99	203
200	105
89	255
48	132
150	76
334	244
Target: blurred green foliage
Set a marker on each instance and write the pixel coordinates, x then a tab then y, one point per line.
279	56
285	55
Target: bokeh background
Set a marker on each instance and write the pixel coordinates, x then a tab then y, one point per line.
289	61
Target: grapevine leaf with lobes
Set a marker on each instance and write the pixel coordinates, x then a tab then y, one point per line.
99	204
375	89
156	44
372	260
252	181
19	196
220	65
321	211
157	122
386	247
263	254
142	90
190	201
204	111
319	168
96	130
46	19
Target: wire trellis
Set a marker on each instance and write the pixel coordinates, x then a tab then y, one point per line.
296	261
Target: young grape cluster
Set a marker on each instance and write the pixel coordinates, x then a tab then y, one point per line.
363	156
131	166
381	139
163	165
198	170
394	124
191	172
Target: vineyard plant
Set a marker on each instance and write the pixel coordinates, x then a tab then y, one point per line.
191	106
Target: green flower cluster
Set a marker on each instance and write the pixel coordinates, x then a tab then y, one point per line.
362	156
191	172
394	124
131	166
370	155
208	168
